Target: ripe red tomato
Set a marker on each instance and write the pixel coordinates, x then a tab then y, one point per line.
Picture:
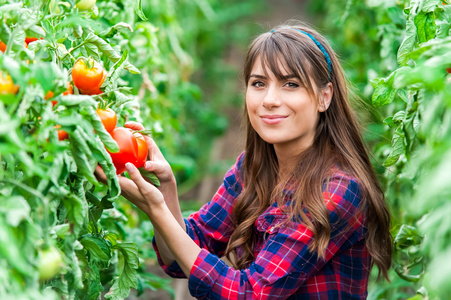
132	149
2	46
108	118
29	40
88	76
128	148
142	150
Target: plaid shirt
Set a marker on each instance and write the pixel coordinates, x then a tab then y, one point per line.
284	268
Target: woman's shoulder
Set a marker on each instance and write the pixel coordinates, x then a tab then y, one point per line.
342	186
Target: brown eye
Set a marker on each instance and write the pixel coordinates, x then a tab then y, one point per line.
292	84
258	84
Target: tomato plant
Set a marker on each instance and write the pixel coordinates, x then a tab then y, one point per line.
48	190
88	76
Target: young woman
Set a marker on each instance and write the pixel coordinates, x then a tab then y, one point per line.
301	214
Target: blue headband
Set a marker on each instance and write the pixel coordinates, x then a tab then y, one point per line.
329	64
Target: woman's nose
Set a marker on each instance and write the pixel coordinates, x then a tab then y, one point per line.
272	97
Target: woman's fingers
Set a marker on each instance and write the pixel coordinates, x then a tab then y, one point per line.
134	125
100	175
162	170
147	190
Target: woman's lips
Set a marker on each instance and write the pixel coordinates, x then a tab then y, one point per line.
272	119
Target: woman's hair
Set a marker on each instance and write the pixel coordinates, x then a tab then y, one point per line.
337	141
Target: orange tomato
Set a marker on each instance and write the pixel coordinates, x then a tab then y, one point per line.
62	135
108	118
141	157
88	76
7	85
2	46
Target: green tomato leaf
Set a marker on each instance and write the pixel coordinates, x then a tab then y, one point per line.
138	9
384	93
398	147
106	49
408	43
16	209
425	24
99	249
128	276
151	176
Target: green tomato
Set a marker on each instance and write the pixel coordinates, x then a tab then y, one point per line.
85	4
50	262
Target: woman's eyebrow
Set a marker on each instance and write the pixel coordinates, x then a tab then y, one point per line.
257	76
284	77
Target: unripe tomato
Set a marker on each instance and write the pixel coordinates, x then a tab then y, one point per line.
128	148
2	46
108	118
50	263
85	4
88	76
142	150
6	84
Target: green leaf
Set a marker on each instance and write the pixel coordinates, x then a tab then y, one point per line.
81	159
94	284
138	9
407	236
99	249
128	276
16	209
398	147
76	208
97	124
408	43
384	93
425	24
112	31
106	49
151	176
76	100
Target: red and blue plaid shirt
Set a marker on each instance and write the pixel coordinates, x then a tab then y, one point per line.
284	268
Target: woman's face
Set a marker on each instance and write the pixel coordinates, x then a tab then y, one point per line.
282	112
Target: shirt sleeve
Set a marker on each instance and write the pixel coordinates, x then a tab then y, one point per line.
285	262
211	227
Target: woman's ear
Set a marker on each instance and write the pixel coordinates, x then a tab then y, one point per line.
325	97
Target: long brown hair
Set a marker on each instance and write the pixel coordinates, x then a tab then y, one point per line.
337	141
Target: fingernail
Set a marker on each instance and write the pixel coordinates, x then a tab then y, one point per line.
130	168
148	165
